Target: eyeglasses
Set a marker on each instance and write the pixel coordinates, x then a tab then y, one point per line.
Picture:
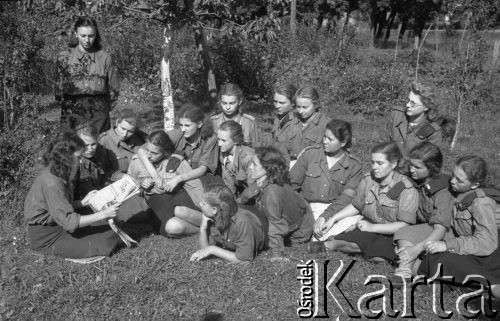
413	104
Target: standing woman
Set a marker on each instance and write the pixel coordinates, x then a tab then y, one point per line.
309	127
53	225
387	202
87	82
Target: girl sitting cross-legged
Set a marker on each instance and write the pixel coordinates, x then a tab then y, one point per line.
174	210
434	212
238	233
471	245
53	225
387	202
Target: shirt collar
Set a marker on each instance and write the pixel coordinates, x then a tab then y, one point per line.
80	54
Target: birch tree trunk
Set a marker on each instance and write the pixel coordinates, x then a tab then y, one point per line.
293	18
166	86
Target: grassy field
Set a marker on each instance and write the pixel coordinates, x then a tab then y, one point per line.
156	281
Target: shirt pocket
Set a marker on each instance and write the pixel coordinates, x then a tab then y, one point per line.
390	209
464	218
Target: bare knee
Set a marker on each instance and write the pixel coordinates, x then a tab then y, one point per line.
174	227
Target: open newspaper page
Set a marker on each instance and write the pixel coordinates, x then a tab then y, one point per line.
117	192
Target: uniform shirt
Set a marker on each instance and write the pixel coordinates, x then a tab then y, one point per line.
435	208
245	235
203	151
474	228
309	135
48	202
376	206
247	122
122	151
86	74
235	169
95	172
139	172
285	210
319	183
406	138
280	132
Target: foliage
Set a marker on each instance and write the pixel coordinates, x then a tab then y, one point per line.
19	61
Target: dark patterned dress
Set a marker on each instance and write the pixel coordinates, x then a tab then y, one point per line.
87	85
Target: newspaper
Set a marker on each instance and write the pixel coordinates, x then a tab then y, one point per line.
117	192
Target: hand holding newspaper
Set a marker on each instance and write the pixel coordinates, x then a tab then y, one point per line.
117	192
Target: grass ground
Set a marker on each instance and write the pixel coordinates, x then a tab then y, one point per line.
156	281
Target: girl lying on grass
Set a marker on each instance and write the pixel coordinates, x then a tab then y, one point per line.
174	210
328	174
434	212
471	245
237	232
387	202
290	216
53	225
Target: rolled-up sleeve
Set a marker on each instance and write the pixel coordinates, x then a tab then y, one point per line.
278	227
245	241
209	155
407	206
442	211
359	199
484	239
113	79
59	207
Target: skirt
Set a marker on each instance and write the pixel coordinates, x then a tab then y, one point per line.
163	207
371	244
84	110
460	266
85	242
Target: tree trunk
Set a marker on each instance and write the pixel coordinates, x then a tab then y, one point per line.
166	86
201	47
342	37
293	18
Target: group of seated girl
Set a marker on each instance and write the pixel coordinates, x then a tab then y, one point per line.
210	176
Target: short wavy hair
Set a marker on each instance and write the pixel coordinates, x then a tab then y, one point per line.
475	168
162	140
195	114
341	130
221	197
390	150
274	164
60	158
430	155
428	98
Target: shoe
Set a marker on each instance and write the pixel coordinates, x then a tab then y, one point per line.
316	247
399	281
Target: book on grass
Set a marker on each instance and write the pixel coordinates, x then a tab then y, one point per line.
118	192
